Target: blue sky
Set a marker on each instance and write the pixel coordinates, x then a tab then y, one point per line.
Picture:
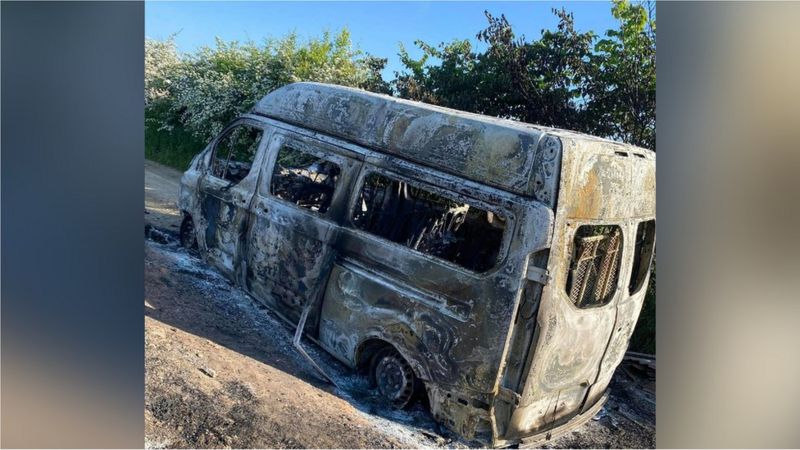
377	27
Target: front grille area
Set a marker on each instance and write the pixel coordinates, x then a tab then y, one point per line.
594	269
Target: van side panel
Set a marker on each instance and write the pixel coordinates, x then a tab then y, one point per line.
433	320
291	248
288	257
450	325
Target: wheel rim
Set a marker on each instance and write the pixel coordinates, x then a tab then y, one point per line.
395	379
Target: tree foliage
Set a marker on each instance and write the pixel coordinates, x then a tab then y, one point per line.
205	90
160	62
566	78
622	85
598	84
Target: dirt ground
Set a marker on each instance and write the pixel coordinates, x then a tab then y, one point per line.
221	372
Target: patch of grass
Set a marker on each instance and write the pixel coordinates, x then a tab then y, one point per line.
205	421
174	148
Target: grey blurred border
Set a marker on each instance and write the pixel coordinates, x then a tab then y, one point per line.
72	224
728	114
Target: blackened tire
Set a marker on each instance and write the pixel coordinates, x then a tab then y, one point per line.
393	378
187	233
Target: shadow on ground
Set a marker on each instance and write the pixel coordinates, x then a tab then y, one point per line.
201	302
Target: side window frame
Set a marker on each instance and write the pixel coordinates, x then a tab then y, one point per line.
649	265
502	252
570	254
347	167
263	142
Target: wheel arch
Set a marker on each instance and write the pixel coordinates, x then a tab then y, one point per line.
187	216
369	346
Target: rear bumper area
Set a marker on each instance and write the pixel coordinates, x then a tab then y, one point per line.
537	439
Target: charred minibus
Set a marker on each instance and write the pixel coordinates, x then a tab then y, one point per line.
497	267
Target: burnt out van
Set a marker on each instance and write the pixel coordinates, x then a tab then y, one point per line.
495	266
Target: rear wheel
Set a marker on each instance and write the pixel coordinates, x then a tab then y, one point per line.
394	379
187	233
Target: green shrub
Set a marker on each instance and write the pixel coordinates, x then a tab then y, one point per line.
189	98
644	336
173	147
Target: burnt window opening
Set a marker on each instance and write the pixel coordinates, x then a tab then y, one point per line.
429	223
643	255
594	267
304	179
234	153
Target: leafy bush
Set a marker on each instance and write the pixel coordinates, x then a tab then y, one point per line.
565	79
190	98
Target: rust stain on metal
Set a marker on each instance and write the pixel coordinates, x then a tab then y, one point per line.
415	237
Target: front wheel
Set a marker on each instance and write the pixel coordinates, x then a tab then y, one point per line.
394	379
187	233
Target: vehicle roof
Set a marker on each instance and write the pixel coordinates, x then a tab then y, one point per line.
499	152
